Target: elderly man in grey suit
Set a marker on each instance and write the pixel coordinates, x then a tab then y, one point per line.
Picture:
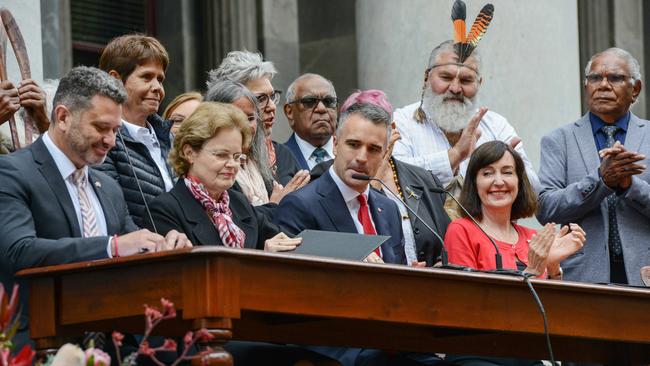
593	172
55	210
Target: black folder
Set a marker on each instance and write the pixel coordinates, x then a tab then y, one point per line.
349	246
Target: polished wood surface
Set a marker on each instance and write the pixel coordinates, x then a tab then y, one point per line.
307	300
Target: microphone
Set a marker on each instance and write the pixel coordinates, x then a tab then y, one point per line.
497	256
445	261
137	181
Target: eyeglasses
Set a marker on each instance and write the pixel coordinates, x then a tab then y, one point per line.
263	99
612	79
224	157
311	102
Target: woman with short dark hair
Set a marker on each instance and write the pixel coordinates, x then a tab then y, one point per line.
497	192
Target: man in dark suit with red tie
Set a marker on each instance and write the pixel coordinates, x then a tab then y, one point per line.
337	201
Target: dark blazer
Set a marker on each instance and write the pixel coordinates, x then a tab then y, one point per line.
117	166
179	210
38	223
320	206
286	165
292	145
415	183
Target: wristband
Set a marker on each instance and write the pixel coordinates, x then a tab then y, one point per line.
117	253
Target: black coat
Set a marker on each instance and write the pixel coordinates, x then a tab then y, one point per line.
415	183
286	165
179	210
117	166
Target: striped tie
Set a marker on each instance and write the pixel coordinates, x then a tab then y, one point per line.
88	217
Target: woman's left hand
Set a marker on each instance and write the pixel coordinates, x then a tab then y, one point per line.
281	243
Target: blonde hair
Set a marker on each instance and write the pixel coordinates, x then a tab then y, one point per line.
207	121
180	100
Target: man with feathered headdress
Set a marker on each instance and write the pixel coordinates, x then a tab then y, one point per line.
440	131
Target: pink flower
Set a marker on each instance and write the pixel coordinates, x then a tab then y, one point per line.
99	357
117	338
203	335
187	340
169	345
146	350
152	313
7	311
169	311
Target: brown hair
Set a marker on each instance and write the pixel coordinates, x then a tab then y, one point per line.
180	100
204	123
526	202
124	53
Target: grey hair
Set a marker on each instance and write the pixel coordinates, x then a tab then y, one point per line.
228	91
373	113
632	63
291	90
448	46
81	84
242	66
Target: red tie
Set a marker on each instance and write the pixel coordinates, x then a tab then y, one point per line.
364	219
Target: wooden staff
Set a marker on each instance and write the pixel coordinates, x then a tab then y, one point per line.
3	77
18	44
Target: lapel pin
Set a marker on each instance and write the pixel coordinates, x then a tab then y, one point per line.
378	209
411	193
98	184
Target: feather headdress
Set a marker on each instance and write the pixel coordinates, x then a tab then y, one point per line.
464	43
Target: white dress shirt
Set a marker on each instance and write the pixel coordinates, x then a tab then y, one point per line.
67	169
425	144
351	201
147	136
407	229
307	149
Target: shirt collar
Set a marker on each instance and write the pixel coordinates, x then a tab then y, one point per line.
63	163
136	131
348	193
597	123
307	149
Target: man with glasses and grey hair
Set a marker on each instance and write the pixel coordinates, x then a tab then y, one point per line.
440	131
311	110
593	173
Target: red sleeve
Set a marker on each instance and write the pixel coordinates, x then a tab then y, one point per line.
459	246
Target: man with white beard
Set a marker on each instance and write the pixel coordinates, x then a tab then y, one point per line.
440	132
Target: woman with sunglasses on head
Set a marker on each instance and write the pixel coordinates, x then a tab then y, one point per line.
249	69
497	192
181	107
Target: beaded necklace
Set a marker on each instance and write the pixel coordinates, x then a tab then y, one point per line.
399	189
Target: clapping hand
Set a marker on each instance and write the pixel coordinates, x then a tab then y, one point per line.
298	181
539	247
619	165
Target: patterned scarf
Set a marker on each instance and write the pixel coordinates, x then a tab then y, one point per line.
219	212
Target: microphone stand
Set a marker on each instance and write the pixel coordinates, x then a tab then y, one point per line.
443	254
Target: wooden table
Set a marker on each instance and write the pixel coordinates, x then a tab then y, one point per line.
253	295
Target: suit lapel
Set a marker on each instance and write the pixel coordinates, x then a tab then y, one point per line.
242	218
333	204
292	144
585	140
412	193
635	133
203	229
53	177
377	210
110	215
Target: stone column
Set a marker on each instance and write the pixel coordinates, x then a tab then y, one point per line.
57	38
628	35
281	46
